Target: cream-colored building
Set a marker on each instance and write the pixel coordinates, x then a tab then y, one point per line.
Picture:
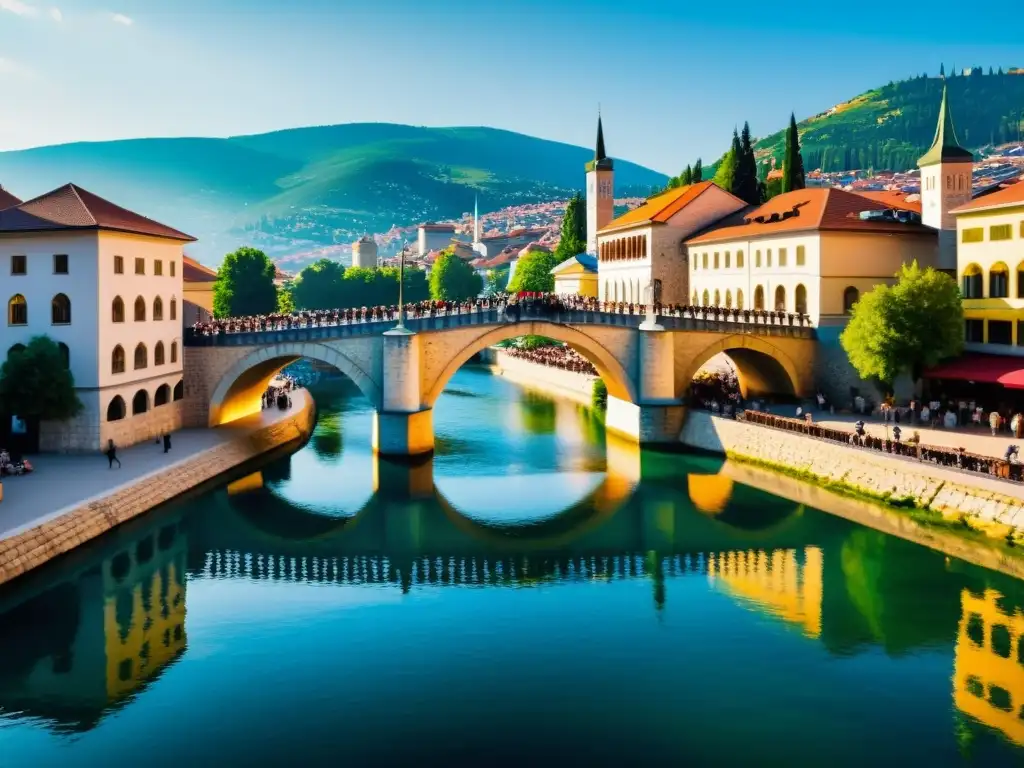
106	285
364	252
645	247
576	275
197	287
990	268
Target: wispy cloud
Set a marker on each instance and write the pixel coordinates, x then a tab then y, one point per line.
9	68
117	18
18	8
56	15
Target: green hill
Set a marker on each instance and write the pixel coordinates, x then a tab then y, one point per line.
305	187
891	127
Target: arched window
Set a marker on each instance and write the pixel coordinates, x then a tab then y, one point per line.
65	353
999	281
728	299
696	299
117	310
158	353
739	259
801	300
60	310
718	299
174	308
179	390
174	352
140	403
706	298
162	396
17	310
117	360
850	297
158	309
780	299
140	310
739	299
759	298
727	259
971	286
116	410
16	349
141	357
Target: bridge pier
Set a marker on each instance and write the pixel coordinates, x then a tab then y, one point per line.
649	425
402	426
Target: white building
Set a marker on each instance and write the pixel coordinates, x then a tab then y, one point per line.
433	237
600	191
105	284
364	252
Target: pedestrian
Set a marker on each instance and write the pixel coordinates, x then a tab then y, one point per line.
896	432
167	443
112	455
994	421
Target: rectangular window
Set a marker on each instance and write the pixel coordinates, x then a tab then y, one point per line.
757	259
716	259
727	259
782	257
158	268
973	235
1000	332
1000	232
974	330
1020	333
801	256
696	258
60	263
768	258
1022	230
704	261
119	265
739	259
173	265
19	265
140	266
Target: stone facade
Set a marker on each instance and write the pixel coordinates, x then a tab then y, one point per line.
30	549
86	432
931	487
578	387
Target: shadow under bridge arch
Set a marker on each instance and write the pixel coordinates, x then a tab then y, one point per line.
762	367
616	378
238	391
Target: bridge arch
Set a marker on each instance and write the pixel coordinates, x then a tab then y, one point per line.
761	367
620	384
238	391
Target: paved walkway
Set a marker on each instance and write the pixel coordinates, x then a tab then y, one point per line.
64	480
973	439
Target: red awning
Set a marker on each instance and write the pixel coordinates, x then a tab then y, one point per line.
987	369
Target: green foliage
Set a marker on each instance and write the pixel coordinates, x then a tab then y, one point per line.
725	176
535	342
771	188
907	327
496	281
745	185
245	285
793	164
285	301
453	279
35	383
319	286
599	395
698	172
533	273
574	229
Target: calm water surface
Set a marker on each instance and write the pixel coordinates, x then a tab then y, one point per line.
534	595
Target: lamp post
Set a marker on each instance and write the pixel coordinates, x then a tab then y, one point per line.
401	286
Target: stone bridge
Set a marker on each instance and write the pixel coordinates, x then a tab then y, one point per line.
647	366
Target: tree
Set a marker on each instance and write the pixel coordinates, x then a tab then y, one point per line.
574	237
496	281
245	284
907	327
698	172
942	70
319	286
285	301
453	279
725	176
533	273
36	384
746	185
793	164
687	177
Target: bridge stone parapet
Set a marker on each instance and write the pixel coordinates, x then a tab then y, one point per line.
646	366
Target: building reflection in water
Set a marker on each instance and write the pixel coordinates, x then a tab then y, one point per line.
988	667
120	623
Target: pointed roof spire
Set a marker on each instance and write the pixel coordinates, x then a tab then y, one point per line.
945	147
601	159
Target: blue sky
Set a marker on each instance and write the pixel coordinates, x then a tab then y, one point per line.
672	77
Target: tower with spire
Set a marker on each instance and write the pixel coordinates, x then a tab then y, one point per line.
600	190
476	219
946	173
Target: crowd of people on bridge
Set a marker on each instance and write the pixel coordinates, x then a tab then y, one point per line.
514	306
556	356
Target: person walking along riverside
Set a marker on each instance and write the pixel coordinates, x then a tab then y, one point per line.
112	455
167	442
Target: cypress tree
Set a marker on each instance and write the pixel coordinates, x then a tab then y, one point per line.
688	175
793	164
942	70
698	172
746	170
725	176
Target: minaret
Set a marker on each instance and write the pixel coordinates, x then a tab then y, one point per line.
600	190
946	173
476	219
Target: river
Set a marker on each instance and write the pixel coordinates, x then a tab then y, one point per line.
535	594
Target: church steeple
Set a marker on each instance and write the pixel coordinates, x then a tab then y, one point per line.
601	159
945	147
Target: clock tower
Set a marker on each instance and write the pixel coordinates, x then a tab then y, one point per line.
600	191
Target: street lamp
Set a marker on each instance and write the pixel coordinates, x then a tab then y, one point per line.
401	284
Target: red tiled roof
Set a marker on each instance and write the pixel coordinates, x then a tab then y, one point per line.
660	209
821	208
894	199
70	207
194	272
1004	198
7	199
